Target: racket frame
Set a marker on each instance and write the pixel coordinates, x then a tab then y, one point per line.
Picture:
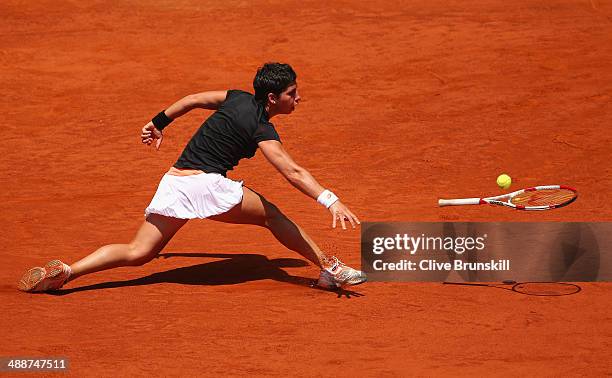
505	199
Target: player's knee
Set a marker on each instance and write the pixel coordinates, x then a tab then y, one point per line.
139	255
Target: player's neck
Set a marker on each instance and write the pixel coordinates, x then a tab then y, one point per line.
271	112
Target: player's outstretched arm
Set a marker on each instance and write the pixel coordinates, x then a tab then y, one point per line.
306	183
206	100
152	131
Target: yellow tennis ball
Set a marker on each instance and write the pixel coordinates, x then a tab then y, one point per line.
504	181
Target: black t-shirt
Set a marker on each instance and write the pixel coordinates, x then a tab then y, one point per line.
228	135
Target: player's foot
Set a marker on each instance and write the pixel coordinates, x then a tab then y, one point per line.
53	276
339	275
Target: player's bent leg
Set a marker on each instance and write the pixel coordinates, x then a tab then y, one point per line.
255	209
155	232
153	235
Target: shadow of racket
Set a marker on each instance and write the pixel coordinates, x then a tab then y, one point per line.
541	289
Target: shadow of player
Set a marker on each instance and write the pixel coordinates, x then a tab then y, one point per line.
233	269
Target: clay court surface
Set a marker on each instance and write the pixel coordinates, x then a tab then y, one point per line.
403	102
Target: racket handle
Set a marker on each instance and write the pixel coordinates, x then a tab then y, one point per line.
457	202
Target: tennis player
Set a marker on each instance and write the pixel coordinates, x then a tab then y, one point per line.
196	187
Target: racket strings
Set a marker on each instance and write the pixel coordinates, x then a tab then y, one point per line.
544	197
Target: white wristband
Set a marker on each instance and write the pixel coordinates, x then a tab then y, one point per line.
327	198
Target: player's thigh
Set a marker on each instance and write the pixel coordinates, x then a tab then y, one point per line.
155	232
254	209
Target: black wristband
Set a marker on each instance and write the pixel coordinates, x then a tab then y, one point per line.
161	121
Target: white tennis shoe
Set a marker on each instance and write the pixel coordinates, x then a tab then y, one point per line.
339	275
53	276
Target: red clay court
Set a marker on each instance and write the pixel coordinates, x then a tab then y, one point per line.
402	103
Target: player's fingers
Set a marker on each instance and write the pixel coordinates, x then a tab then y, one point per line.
351	220
342	221
159	141
354	217
343	216
334	221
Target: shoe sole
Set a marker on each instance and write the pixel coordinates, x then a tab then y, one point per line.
35	276
32	278
54	268
333	286
359	282
364	280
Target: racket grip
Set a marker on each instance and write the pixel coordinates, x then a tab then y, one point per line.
457	202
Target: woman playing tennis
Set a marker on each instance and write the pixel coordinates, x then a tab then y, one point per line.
196	187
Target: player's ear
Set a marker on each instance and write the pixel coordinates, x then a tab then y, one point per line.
272	98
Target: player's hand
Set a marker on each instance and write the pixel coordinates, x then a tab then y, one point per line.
343	214
150	134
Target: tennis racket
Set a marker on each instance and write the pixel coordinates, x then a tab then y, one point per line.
537	198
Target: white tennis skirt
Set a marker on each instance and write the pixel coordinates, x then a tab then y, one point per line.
195	196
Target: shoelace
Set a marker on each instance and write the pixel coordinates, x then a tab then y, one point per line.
336	264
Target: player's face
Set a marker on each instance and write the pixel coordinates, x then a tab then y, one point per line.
288	99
